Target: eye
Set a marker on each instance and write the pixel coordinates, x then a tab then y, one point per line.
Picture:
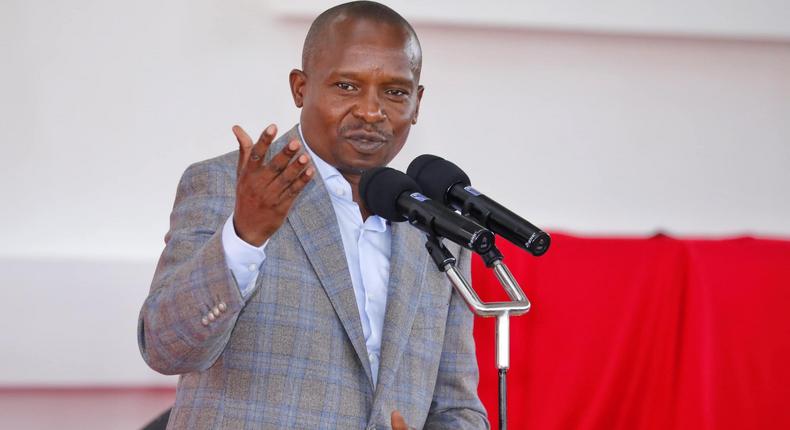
345	86
397	92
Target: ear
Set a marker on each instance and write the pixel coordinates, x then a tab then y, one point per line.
298	82
420	89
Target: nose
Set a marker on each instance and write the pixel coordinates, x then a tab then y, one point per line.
368	108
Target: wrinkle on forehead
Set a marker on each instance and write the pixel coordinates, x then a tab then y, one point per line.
373	58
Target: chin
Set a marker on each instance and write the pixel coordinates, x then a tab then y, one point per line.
358	166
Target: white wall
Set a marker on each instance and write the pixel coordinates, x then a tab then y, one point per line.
714	18
104	103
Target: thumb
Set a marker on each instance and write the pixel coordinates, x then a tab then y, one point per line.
245	148
398	423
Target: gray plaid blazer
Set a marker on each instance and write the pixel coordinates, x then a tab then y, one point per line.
294	356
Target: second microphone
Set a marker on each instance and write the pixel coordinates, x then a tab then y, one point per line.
394	196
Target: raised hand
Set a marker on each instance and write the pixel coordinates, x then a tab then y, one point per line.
265	191
397	422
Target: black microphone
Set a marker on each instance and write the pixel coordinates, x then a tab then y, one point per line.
394	196
443	181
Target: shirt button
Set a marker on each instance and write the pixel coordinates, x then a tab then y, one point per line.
339	191
252	267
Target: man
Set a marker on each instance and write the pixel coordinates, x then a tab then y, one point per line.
281	301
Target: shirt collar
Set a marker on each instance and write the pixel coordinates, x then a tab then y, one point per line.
325	169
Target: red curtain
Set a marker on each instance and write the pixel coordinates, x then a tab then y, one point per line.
655	333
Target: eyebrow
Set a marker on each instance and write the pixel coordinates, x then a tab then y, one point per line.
394	80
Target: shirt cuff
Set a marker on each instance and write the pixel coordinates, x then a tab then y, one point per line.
244	260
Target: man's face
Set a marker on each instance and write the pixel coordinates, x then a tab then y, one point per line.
359	95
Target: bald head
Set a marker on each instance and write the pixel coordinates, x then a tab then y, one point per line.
335	19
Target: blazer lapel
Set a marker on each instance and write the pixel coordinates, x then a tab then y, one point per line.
407	272
313	219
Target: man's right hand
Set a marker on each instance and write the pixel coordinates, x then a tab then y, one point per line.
265	191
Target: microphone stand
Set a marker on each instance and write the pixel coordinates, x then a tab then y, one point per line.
519	305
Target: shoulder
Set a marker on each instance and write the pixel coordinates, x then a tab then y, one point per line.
225	163
214	175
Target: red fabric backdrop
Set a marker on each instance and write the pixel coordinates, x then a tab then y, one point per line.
655	333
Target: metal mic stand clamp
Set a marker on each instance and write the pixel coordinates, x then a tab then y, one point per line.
519	305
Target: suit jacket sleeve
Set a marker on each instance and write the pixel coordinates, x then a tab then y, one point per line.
456	404
192	277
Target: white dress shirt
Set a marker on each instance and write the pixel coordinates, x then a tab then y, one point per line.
367	246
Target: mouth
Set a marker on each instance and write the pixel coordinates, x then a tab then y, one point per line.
364	142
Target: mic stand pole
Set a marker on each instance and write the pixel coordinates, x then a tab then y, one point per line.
519	304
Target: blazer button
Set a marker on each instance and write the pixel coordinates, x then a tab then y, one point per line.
204	321
211	316
215	311
222	306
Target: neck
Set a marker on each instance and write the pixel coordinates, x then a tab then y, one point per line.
353	179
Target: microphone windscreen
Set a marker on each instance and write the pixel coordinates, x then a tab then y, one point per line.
435	176
380	188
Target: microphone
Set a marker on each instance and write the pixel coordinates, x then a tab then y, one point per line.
443	181
394	196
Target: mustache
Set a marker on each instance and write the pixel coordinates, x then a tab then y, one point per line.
364	131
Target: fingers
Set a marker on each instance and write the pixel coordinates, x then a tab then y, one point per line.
291	172
245	146
260	148
249	152
279	162
281	178
297	185
397	421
